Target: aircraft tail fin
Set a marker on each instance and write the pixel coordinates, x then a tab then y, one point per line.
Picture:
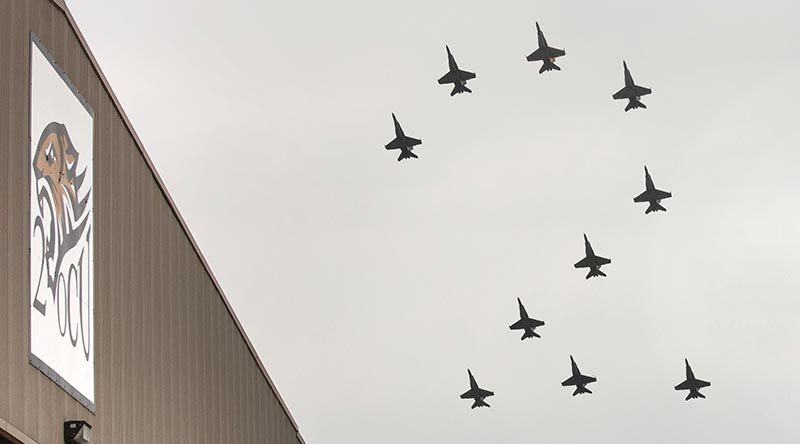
479	402
655	206
458	89
544	68
405	154
634	104
548	65
595	273
695	394
527	335
580	390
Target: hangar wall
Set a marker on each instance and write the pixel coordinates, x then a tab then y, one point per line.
172	363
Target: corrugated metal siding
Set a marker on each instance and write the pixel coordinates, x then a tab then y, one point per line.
171	364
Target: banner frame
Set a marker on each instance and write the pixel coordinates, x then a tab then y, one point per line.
36	43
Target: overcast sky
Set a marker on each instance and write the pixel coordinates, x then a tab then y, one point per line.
369	286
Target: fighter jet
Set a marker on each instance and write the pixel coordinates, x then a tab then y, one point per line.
402	142
545	53
476	393
631	91
652	195
526	323
456	76
692	384
592	261
578	380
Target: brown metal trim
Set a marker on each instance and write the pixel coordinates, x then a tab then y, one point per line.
8	432
6	438
61	5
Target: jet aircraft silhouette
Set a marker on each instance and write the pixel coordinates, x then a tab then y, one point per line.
545	53
578	380
692	384
456	76
526	323
652	195
592	261
631	91
402	142
476	393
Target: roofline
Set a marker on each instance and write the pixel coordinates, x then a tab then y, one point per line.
61	4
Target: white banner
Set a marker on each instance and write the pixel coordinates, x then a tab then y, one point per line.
61	230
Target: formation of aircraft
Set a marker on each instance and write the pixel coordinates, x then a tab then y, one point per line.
545	54
578	380
476	393
592	261
652	195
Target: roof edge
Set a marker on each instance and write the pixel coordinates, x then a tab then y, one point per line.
61	4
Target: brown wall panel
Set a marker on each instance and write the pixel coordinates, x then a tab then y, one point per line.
6	217
171	363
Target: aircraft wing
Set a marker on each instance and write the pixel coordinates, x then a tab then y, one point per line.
466	75
624	93
700	383
659	195
655	195
410	141
584	263
395	144
579	380
469	394
519	325
484	393
587	379
685	385
555	52
641	91
450	77
644	197
402	142
601	261
539	54
573	380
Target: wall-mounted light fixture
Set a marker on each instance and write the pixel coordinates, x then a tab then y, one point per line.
77	432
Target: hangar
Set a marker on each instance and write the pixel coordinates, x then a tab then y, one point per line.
113	328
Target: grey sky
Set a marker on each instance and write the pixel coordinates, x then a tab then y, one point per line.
368	287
